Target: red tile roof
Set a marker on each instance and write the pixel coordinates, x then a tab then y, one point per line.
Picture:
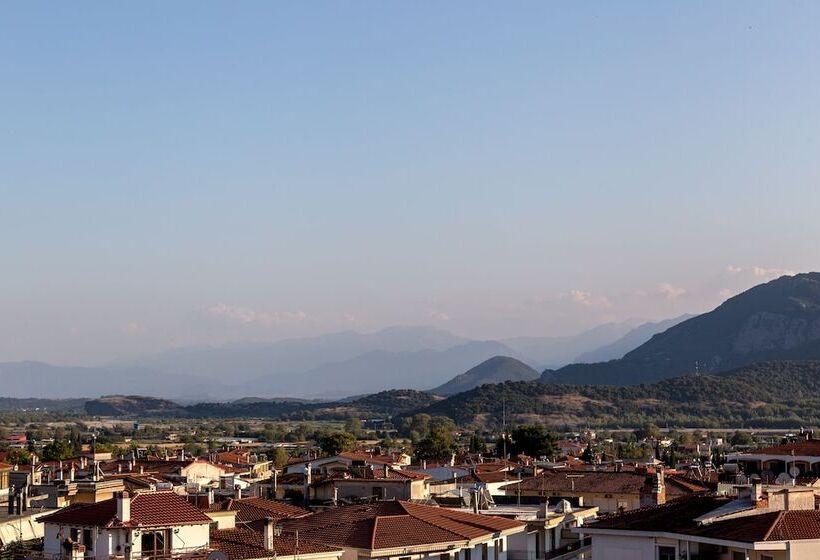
150	509
603	482
249	510
805	447
678	517
242	544
393	524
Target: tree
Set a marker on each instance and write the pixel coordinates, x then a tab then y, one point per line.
741	438
647	431
439	444
587	456
477	444
354	426
58	450
280	457
335	443
533	440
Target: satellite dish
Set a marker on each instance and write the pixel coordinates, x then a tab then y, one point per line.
783	478
794	471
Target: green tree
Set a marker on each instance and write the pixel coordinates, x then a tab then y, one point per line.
58	450
280	457
741	438
533	440
354	426
438	445
336	442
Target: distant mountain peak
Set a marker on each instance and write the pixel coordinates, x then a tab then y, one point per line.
777	320
493	370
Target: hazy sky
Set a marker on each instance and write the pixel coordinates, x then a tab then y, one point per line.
199	173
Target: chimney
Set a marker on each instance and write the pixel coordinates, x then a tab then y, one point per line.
142	470
237	492
123	506
757	491
386	470
308	473
267	534
659	490
210	497
119	468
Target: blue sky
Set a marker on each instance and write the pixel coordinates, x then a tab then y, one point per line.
202	173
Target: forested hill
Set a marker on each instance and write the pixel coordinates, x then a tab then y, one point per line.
764	394
778	320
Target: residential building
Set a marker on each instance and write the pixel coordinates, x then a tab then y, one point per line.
609	491
401	530
152	524
710	528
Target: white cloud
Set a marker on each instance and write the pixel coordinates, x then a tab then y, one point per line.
248	316
669	291
726	293
734	269
771	273
439	316
587	299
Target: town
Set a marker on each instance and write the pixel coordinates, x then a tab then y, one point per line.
529	494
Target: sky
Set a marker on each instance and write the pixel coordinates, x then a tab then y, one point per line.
205	173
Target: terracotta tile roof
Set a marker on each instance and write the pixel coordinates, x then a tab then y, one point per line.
149	509
678	517
673	516
394	524
249	510
603	482
367	457
242	544
806	447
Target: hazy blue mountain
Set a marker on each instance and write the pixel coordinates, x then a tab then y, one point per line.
629	341
36	379
378	371
244	362
778	320
557	351
495	370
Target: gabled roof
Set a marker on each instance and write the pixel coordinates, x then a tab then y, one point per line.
149	509
242	544
604	482
396	524
679	517
249	510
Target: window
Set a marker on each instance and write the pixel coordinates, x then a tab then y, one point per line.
485	551
738	555
88	539
156	543
767	558
445	556
468	554
667	553
497	549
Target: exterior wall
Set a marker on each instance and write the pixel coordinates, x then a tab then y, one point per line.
116	541
202	472
606	503
521	546
610	547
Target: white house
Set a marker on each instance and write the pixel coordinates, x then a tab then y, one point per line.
146	525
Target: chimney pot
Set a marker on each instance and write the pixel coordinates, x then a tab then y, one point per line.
123	506
268	535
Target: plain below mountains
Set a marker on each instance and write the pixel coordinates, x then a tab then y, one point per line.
778	320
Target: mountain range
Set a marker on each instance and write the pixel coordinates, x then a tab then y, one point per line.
497	369
778	320
327	367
